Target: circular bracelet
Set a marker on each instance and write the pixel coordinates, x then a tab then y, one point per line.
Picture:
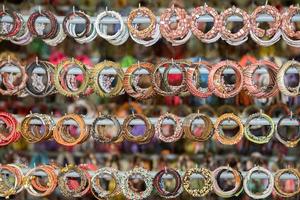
98	191
10	186
66	83
273	33
205	132
220	135
37	133
102	83
127	190
207	186
147	133
64	186
266	91
66	24
131	81
278	187
8	31
178	131
238	185
290	34
63	137
159	184
32	185
39	30
192	78
240	36
268	190
287	90
40	85
213	34
216	82
99	135
288	142
11	123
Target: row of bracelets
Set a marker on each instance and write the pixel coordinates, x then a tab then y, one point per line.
20	32
87	183
96	79
58	131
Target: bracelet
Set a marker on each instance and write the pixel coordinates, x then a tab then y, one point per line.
205	132
67	84
63	182
63	136
99	134
159	184
31	181
220	135
69	28
266	91
239	37
288	142
9	188
11	123
131	81
290	34
178	131
288	90
206	187
273	33
278	188
148	131
37	133
98	191
268	190
216	83
238	186
192	78
102	83
126	187
38	31
7	32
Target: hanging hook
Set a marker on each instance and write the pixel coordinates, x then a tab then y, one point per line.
106	9
36	60
166	169
138	62
173	7
74	11
139	5
205	4
260	111
40	10
132	112
266	3
3	8
72	59
291	114
8	59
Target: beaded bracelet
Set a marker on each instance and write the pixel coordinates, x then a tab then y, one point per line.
7	32
278	188
287	90
7	188
290	34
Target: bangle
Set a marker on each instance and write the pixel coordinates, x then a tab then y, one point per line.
144	12
206	131
65	83
98	191
192	79
102	83
288	142
290	34
140	139
37	133
63	137
288	90
57	38
220	135
98	133
126	187
31	181
207	186
273	33
268	190
12	87
10	187
182	33
158	183
69	28
278	186
259	139
266	91
178	131
213	34
38	31
64	184
238	185
216	83
240	36
11	123
7	32
131	81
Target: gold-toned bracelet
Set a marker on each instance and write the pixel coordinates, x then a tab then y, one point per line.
277	184
61	74
99	88
207	186
220	135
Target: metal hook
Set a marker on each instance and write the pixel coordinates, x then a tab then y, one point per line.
138	62
3	7
205	4
291	114
74	11
260	111
30	112
172	60
173	7
40	10
266	3
166	169
36	60
106	9
132	112
8	59
34	165
72	59
139	5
